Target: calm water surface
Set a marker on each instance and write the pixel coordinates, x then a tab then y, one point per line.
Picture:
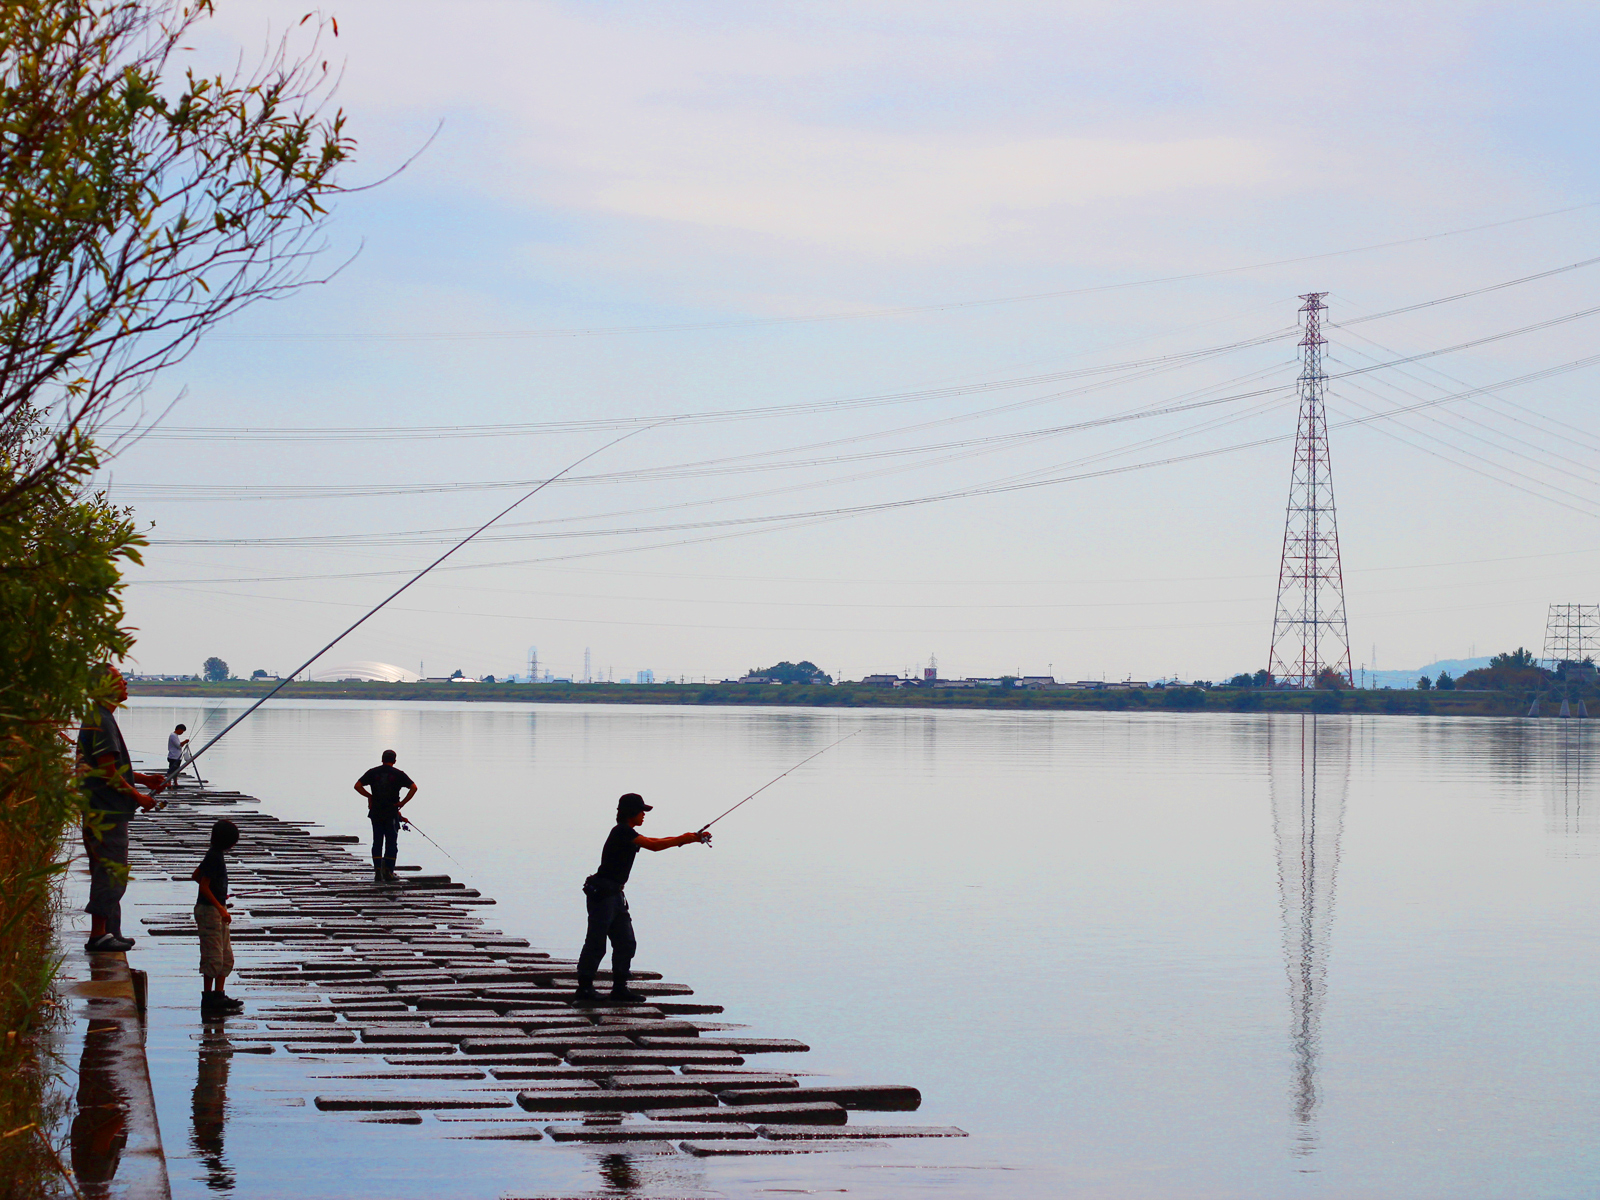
1135	955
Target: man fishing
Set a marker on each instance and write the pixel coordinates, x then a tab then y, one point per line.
608	906
383	807
112	800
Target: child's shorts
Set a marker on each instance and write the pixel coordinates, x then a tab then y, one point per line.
216	948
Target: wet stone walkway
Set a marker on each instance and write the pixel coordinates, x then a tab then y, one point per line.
403	1007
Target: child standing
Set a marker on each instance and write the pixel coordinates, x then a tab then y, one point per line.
212	917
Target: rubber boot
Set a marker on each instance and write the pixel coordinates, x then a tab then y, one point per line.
586	993
377	869
388	871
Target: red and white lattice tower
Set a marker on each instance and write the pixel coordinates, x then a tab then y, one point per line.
1309	633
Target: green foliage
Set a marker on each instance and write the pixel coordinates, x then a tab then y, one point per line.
1424	684
1248	702
215	670
1520	657
1329	678
1261	678
1444	683
804	671
138	209
1183	697
1326	700
60	614
258	673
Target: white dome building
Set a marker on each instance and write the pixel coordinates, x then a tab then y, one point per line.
366	672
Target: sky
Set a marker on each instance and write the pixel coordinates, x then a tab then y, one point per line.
889	269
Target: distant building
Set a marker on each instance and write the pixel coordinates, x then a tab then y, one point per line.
366	671
645	676
883	681
950	683
1037	683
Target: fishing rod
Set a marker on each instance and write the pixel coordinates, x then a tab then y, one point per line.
289	678
770	782
418	829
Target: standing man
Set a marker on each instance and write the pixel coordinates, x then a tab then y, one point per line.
608	906
175	744
383	806
112	799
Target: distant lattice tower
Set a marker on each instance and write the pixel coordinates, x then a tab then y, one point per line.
1309	632
1571	634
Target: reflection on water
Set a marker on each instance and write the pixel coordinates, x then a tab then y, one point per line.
210	1116
1309	766
617	1170
1563	808
100	1128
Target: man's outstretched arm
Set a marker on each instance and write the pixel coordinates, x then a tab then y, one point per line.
683	839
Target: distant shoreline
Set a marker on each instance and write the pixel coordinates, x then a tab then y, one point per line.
1396	702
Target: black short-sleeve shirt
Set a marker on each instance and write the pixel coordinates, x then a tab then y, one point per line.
385	784
100	735
616	858
213	869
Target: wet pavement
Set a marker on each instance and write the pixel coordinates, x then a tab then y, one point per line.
395	1042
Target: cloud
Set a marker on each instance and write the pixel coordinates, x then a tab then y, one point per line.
884	193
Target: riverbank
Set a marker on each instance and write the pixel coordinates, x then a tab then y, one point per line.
1457	703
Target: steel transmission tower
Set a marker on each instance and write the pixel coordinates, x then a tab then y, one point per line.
1309	633
1571	634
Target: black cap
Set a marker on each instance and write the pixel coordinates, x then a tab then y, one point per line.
632	803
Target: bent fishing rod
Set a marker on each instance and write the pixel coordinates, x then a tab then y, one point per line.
770	782
415	828
289	678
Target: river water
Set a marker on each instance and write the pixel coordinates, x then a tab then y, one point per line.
1135	955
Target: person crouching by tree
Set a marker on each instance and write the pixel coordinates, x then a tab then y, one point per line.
111	800
383	807
212	918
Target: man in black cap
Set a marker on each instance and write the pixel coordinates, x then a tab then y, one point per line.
608	906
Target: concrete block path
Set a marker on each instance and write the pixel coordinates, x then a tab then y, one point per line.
396	1043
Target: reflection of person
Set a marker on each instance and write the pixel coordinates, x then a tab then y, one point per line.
608	906
112	800
175	745
383	806
210	1105
100	1127
212	918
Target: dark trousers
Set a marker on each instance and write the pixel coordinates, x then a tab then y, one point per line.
108	872
386	837
174	769
608	918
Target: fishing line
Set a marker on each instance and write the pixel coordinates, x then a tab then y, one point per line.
418	829
770	782
287	679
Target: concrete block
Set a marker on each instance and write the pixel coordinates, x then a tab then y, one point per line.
614	1074
575	1132
440	1073
882	1098
737	1044
639	1057
788	1132
822	1144
724	1083
818	1113
498	1133
411	1103
607	1100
